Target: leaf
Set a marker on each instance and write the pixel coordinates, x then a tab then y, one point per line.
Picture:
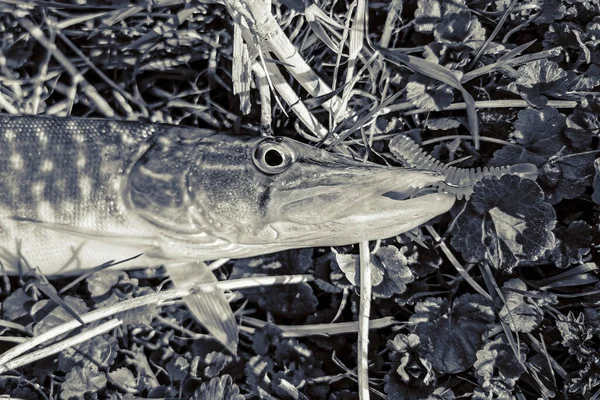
506	221
427	93
81	382
409	367
102	282
218	388
389	271
582	127
496	362
587	81
178	368
537	135
572	244
550	11
100	350
451	338
263	338
256	370
124	377
59	315
460	27
540	78
576	335
396	273
349	264
17	305
430	12
516	312
442	124
215	363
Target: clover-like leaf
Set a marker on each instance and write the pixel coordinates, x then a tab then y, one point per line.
582	127
389	270
451	337
550	11
430	12
496	362
507	221
17	304
82	382
428	93
218	388
215	361
100	350
520	315
576	336
125	378
460	27
178	368
350	265
540	78
563	34
256	370
409	367
572	243
566	178
396	273
588	80
101	282
537	135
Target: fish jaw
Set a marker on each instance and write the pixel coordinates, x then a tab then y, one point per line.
374	219
369	203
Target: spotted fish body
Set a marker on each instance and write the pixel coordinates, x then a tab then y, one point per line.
72	173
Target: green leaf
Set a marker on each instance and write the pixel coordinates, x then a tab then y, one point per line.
507	221
451	337
81	382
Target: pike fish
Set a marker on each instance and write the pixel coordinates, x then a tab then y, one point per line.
75	193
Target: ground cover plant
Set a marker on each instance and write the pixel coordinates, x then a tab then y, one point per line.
497	299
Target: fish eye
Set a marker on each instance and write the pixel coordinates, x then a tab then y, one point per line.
272	156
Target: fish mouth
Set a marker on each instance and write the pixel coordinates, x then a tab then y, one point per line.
388	202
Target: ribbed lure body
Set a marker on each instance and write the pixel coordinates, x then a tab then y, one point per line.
458	181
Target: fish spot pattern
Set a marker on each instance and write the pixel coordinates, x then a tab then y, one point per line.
65	171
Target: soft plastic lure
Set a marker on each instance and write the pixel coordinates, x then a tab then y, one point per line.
458	181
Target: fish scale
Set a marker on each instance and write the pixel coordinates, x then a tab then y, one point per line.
67	172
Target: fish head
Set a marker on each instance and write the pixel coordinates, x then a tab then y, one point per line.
275	193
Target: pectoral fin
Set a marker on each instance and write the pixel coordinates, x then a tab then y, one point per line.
210	309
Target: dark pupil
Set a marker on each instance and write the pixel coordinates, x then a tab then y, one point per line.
273	158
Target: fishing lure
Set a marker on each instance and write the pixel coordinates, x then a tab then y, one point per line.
458	181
